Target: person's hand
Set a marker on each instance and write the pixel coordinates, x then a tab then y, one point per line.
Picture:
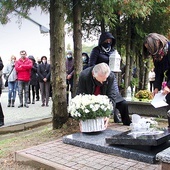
69	77
44	79
106	121
166	90
155	91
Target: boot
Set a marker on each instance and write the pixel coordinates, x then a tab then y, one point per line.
9	103
168	122
33	101
29	101
26	105
21	101
116	117
168	115
13	101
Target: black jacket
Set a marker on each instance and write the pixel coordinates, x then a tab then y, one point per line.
44	71
98	55
1	67
34	76
86	85
160	68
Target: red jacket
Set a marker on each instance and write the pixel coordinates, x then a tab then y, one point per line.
23	68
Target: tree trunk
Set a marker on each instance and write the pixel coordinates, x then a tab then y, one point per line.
58	70
141	73
127	68
146	75
77	38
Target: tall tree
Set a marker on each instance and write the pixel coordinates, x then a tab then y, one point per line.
77	38
57	49
57	52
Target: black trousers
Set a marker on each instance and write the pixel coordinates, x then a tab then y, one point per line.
1	114
151	85
124	112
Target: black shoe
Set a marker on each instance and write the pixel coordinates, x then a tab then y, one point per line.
33	102
21	105
1	123
43	105
25	105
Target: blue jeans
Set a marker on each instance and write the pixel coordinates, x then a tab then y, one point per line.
12	88
23	86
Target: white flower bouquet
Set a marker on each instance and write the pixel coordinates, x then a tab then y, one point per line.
83	107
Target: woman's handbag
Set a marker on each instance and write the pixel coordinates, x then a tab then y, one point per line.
6	81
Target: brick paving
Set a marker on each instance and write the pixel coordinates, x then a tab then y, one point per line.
57	155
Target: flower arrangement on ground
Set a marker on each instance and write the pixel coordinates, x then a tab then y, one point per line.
83	107
144	94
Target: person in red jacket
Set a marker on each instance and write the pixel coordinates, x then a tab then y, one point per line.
23	68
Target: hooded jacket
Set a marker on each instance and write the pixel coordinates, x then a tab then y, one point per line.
34	78
98	55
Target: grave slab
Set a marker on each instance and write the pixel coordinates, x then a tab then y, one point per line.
97	141
156	142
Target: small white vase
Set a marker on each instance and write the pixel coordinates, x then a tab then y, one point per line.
93	125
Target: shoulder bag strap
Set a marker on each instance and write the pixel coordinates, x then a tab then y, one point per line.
10	72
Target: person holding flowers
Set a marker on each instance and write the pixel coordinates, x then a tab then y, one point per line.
98	80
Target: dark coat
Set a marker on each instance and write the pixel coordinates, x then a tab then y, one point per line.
34	77
1	81
44	71
98	55
160	68
86	62
86	85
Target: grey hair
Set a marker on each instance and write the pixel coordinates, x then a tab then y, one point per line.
153	43
102	69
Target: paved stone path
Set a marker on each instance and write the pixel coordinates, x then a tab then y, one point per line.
17	118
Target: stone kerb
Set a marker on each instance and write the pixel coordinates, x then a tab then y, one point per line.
146	109
164	158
